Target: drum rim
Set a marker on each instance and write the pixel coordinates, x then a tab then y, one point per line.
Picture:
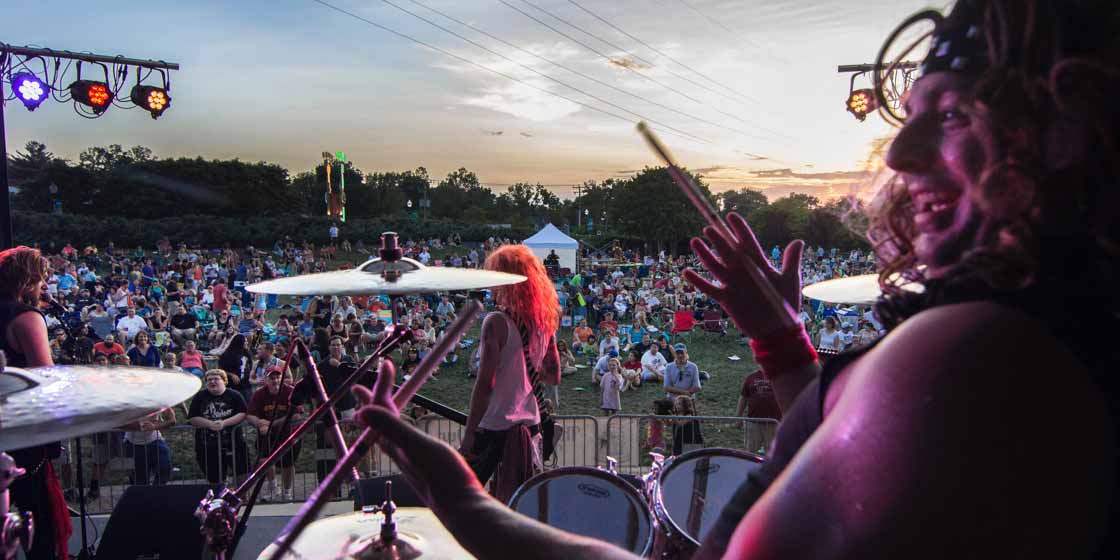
660	514
602	474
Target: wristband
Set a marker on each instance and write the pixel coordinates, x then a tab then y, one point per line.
784	350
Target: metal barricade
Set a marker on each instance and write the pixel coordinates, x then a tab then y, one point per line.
631	437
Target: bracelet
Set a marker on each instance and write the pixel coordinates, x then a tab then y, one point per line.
783	351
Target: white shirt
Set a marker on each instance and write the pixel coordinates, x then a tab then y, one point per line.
131	325
654	362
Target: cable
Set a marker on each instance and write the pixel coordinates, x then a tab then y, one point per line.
724	27
612	60
600	53
533	70
488	69
693	117
658	51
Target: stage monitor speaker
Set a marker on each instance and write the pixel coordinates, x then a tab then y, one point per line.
372	492
154	522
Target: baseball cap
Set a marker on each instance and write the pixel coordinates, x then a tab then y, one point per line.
680	347
613	353
278	370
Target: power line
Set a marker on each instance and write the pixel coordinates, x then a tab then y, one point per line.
600	53
732	32
488	69
628	53
577	28
658	51
576	72
533	70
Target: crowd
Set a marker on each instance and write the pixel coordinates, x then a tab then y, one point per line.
186	308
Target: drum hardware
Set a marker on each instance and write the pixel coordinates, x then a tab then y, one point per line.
387	545
18	527
362	445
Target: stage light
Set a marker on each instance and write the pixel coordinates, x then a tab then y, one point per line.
30	90
861	102
151	98
95	95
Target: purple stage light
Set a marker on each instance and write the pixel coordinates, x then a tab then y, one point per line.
30	89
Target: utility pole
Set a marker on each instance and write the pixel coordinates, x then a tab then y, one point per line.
579	211
6	53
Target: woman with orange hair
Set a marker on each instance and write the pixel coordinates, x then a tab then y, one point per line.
518	357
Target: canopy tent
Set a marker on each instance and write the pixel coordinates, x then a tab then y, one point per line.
549	239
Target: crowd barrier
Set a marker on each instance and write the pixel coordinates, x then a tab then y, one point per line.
630	438
183	458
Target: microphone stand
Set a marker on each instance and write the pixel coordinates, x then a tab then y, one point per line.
217	513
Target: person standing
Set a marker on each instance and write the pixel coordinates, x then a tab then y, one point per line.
757	400
268	411
682	377
518	357
23	339
217	413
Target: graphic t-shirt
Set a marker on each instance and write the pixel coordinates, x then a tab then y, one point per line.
217	407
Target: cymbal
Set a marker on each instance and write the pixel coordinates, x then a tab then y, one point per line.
45	404
349	536
858	290
405	276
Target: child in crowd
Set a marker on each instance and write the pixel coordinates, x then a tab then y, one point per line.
656	439
611	385
686	433
632	372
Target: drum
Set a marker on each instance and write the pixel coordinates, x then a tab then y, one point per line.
589	502
690	493
348	536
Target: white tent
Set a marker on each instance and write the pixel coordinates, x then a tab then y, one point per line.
550	238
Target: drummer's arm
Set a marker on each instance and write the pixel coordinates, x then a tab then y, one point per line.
928	417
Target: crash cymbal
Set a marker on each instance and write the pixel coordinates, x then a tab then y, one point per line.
404	276
858	290
45	404
354	536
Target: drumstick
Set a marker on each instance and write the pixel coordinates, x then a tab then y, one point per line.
467	316
692	191
319	497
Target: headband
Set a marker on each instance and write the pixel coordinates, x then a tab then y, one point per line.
957	45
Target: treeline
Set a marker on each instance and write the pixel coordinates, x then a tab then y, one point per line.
132	197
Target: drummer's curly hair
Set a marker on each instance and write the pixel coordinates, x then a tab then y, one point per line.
1049	97
533	302
20	269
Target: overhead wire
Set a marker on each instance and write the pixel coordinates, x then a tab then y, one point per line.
572	70
635	71
529	68
659	52
463	59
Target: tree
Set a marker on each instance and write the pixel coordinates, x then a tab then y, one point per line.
651	207
743	201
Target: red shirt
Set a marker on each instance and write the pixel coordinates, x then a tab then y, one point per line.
220	301
758	393
102	348
611	325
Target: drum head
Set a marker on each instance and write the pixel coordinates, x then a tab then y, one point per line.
588	502
694	487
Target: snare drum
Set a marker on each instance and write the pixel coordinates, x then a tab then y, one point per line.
690	493
589	502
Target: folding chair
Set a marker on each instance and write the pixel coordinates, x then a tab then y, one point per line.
713	322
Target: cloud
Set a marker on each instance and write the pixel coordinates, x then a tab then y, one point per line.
828	176
526	134
755	157
493	132
524	102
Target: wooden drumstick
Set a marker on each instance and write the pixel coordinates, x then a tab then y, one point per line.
692	191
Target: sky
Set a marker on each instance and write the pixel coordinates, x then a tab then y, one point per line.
745	92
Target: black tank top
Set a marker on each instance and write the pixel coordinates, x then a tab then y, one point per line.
9	310
1087	340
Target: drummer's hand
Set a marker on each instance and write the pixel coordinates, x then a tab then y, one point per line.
8	471
435	470
734	289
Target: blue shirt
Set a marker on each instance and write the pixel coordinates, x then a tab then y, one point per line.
682	378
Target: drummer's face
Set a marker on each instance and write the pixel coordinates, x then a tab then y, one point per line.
940	155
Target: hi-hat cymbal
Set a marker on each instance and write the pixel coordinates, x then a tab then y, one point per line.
45	404
405	276
858	290
349	536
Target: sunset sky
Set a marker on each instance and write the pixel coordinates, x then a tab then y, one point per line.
744	91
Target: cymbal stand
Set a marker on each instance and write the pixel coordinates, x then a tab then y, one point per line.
363	444
218	513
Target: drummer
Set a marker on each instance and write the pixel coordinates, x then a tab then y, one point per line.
23	275
1005	209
